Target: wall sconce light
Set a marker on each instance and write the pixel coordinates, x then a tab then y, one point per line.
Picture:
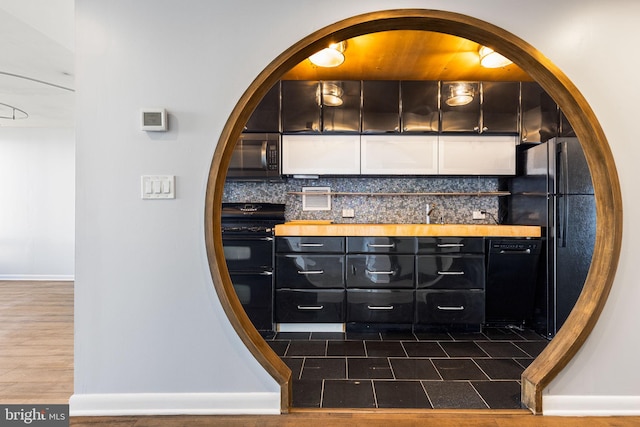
331	56
459	94
330	94
489	58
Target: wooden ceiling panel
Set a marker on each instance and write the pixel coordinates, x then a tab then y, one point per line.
408	55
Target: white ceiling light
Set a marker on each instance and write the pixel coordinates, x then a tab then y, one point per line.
331	56
459	94
489	58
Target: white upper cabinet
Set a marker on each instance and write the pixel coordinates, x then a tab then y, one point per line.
321	154
399	154
477	155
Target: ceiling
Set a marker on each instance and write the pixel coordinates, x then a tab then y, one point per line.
37	61
408	55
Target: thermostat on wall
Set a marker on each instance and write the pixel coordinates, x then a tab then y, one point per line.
154	119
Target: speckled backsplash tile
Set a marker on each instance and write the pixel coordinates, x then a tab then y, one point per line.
373	207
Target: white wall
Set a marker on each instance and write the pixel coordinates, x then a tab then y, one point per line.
37	199
151	335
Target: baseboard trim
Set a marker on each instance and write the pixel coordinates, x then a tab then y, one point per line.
310	327
38	277
117	404
591	405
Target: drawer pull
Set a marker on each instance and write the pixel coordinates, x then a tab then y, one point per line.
450	245
311	245
387	273
374	245
380	307
311	272
451	273
310	307
448	308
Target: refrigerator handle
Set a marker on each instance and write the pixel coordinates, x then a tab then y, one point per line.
562	166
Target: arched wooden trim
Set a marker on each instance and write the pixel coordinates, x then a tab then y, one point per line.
605	181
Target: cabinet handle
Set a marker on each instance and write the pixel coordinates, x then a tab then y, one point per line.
311	245
380	307
387	273
446	308
373	245
451	273
310	307
311	272
450	245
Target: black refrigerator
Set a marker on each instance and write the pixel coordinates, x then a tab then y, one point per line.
554	190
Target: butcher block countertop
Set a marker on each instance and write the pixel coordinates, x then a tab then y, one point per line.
323	228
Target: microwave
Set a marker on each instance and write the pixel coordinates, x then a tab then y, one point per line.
256	157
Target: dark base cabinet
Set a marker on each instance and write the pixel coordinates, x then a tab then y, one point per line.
309	306
255	292
449	307
380	306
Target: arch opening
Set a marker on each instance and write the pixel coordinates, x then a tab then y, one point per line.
600	160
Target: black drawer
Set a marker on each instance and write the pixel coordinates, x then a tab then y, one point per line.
380	271
310	244
307	306
450	307
403	245
450	245
450	271
309	271
380	306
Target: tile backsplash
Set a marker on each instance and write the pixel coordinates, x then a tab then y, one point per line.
376	208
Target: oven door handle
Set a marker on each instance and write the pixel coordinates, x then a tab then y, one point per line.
246	238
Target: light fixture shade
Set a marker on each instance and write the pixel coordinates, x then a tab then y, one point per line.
331	56
492	59
459	94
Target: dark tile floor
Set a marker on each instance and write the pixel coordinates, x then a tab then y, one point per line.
408	370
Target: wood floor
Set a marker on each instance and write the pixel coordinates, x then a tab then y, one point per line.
36	366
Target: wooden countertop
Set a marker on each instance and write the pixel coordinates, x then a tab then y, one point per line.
462	230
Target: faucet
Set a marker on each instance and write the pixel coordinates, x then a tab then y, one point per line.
429	210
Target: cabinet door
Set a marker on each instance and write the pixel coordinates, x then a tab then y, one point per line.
399	154
449	307
309	271
309	306
500	102
539	114
380	106
476	155
380	271
266	116
450	271
381	244
341	106
323	244
380	306
420	112
460	118
321	154
450	245
300	106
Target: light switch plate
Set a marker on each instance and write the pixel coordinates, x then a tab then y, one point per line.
158	186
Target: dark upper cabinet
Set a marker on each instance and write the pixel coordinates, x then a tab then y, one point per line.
300	107
420	109
500	107
565	129
266	116
539	114
380	106
460	118
340	106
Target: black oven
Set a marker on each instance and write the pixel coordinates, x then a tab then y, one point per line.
248	243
